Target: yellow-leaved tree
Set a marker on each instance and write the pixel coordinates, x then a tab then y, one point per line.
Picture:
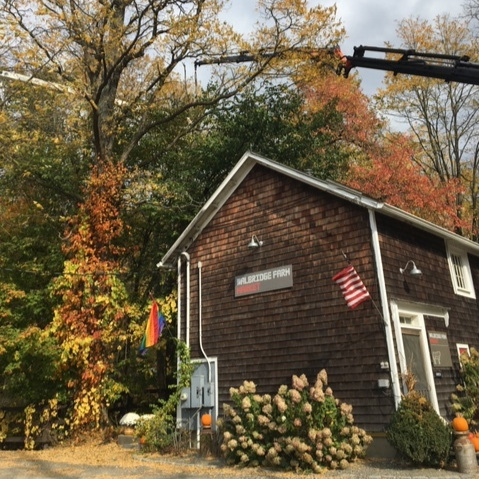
441	117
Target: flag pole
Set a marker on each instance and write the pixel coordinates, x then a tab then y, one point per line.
345	257
379	311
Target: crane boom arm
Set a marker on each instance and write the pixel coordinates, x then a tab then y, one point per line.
432	65
34	81
247	56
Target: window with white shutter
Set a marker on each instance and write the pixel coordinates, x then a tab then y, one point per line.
460	272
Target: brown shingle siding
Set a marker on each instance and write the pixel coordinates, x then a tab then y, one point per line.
268	337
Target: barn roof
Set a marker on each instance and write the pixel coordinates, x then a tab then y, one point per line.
245	165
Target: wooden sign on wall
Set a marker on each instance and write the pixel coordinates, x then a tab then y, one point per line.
440	352
261	281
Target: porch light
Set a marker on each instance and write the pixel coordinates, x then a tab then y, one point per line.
414	270
255	242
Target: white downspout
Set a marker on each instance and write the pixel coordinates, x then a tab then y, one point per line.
385	310
187	292
178	300
187	315
200	317
187	288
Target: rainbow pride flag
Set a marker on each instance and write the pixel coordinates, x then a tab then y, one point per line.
154	327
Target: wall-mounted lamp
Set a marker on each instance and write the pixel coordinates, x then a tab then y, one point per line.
255	242
414	270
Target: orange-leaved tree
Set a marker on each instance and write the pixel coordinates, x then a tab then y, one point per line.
357	132
391	175
92	321
384	166
441	117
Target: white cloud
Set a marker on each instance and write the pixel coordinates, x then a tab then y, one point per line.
374	22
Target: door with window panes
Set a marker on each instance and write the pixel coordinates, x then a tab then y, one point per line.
416	355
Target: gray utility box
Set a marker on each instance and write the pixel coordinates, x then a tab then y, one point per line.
200	397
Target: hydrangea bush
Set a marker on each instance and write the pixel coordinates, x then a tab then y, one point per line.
303	428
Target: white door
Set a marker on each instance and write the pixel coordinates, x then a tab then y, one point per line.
414	355
416	361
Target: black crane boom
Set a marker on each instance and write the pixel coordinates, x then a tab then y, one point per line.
450	68
433	65
247	56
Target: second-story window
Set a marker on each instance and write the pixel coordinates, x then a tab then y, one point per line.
460	272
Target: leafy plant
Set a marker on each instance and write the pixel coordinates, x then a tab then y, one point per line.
300	428
418	433
29	365
38	424
43	423
158	432
466	401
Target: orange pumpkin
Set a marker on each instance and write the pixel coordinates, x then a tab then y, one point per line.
460	424
206	421
475	442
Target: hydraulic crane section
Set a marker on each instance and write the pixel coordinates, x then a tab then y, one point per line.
433	65
246	56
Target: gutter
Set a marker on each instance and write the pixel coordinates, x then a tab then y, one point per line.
396	388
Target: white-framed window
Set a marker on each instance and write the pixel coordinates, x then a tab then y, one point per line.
460	272
462	349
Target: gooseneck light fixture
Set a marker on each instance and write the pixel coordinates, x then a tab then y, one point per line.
255	242
415	271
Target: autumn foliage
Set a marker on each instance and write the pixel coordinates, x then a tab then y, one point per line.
385	167
90	323
360	124
392	176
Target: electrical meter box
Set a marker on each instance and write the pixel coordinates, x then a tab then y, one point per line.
185	397
209	395
200	397
197	390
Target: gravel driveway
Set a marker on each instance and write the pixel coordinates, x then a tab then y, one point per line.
92	464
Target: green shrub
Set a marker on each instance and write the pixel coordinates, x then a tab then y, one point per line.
418	433
158	429
300	428
29	365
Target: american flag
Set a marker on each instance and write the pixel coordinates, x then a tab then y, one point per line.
352	287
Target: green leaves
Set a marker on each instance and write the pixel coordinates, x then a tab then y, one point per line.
418	433
29	364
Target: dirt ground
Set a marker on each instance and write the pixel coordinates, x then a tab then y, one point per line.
95	459
99	460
